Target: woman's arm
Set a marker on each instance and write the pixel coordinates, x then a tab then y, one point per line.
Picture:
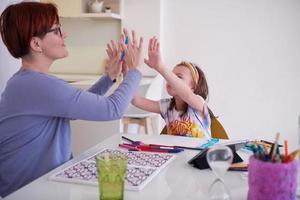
102	85
146	104
89	106
57	98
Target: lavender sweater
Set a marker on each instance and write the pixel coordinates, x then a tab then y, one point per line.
35	109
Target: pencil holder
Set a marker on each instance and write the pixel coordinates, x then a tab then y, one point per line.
268	180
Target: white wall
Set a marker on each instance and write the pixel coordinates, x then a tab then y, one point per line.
8	65
250	52
145	17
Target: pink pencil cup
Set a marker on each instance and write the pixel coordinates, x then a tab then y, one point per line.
272	181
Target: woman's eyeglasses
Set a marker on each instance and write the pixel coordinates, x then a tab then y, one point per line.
57	30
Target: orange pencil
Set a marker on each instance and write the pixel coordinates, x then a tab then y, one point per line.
292	156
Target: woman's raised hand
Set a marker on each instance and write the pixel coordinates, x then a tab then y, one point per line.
133	51
114	64
154	58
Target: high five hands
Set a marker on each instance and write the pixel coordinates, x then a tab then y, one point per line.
133	52
133	55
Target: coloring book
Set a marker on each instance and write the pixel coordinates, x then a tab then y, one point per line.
142	167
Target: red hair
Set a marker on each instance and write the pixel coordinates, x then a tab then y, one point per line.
20	22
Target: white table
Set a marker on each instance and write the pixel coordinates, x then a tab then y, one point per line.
178	180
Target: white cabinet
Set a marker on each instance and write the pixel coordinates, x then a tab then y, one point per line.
87	35
86	134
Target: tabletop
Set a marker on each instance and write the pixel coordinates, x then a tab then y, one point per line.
178	180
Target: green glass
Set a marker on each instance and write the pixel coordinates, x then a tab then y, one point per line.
111	176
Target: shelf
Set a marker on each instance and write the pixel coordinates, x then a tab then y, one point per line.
100	15
96	16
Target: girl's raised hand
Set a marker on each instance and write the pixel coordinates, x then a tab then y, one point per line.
154	58
133	51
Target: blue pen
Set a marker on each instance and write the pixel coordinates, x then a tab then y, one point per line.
123	53
210	143
174	150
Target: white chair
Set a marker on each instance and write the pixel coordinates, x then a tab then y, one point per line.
143	118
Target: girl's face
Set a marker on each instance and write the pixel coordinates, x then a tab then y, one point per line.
53	43
184	74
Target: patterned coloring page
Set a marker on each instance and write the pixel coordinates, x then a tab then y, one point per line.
141	168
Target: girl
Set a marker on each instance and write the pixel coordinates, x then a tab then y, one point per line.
186	113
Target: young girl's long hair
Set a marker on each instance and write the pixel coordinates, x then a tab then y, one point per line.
201	87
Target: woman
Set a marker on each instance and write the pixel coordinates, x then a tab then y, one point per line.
35	107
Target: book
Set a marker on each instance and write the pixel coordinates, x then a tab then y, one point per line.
142	167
